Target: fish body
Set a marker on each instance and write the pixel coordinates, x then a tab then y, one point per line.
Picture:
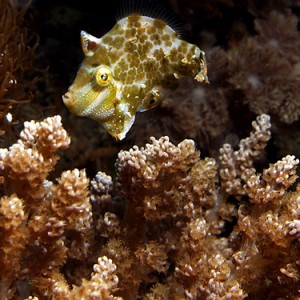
131	68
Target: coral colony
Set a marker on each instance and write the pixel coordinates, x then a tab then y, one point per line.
171	232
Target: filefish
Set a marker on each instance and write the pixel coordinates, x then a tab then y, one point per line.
131	69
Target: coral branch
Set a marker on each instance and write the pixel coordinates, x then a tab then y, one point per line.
237	166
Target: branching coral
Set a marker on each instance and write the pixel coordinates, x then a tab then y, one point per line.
13	235
56	218
27	163
268	221
237	166
164	230
267	226
187	222
103	281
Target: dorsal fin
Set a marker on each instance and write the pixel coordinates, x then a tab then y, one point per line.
151	8
89	43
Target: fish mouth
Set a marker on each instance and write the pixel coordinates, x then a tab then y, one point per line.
69	99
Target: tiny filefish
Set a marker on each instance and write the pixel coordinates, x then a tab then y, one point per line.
131	68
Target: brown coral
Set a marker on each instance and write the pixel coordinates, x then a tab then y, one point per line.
13	236
28	162
172	195
159	232
48	211
237	166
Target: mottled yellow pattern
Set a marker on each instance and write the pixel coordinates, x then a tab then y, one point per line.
130	69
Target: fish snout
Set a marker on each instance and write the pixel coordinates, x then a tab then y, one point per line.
69	99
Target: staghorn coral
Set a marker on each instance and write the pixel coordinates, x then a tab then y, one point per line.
159	230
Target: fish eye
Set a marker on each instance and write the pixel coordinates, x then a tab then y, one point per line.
103	75
152	101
